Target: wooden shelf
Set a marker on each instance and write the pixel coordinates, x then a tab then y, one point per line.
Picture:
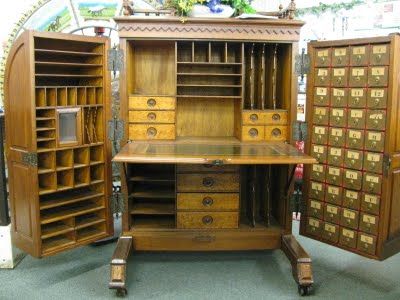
89	233
44	170
51	244
156	178
51	52
89	221
63	168
64	64
153	194
43	139
69	199
63	187
44	118
153	209
54	230
77	165
65	213
41	150
45	128
69	75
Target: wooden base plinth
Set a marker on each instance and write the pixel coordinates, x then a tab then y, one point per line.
118	265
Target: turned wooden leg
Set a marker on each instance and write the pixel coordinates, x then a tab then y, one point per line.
301	263
118	265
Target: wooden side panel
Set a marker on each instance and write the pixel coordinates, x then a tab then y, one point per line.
394	223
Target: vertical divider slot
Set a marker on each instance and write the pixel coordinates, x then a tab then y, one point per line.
81	95
71	96
61	96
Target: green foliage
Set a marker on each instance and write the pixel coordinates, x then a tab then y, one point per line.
240	6
323	8
183	7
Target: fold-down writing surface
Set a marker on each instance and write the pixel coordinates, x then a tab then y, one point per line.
193	153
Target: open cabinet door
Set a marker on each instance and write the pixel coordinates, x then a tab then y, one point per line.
57	93
352	196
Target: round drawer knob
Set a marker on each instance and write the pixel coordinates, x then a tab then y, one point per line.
151	132
151	102
376	102
368	225
365	245
207	201
339	80
277	117
151	116
276	132
354	142
253	132
334	178
376	123
371	186
337	119
377	79
347	239
320	98
373	165
339	60
348	221
373	144
208	182
370	205
358	78
323	59
379	57
355	121
352	161
254	117
335	158
207	220
336	139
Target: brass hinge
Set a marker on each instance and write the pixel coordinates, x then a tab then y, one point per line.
302	64
30	158
387	162
115	59
115	129
299	131
117	202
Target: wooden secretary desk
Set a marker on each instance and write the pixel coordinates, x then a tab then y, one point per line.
207	161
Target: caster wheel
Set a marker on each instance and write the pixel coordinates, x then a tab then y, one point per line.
304	290
122	292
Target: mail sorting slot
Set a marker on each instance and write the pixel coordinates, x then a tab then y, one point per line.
348	238
321	96
355	139
377	98
379	54
331	232
335	156
372	183
339	97
339	77
349	218
319	152
378	76
315	209
358	76
374	141
336	136
340	56
370	203
320	135
352	179
322	77
318	172
356	118
376	119
357	98
338	117
351	199
314	226
373	162
369	223
323	57
333	194
353	159
334	175
332	213
321	115
317	190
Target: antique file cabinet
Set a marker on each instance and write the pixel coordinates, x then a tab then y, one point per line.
361	118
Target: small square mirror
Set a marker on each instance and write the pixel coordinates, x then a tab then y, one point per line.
68	127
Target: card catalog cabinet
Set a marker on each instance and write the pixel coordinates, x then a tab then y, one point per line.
56	101
352	196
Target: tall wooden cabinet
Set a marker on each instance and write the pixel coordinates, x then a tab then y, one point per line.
56	106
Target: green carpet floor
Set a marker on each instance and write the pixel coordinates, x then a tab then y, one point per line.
84	274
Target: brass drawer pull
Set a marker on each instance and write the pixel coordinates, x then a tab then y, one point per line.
253	132
151	132
207	201
208	181
276	132
276	117
151	102
151	116
254	117
207	220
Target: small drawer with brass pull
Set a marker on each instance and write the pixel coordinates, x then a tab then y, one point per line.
317	190
151	132
351	199
359	55
358	76
321	115
338	117
205	220
380	54
358	97
366	243
378	76
374	141
253	118
319	152
146	116
376	119
370	203
349	218
352	179
335	156
348	237
356	118
332	213
340	56
207	201
253	133
353	159
339	77
208	182
333	194
278	117
321	96
330	232
369	223
276	133
316	209
322	77
318	172
152	103
377	98
334	175
323	57
372	183
314	226
336	136
373	162
355	139
339	97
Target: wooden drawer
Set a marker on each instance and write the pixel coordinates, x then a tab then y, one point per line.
334	194
353	159
366	243
323	57
208	182
318	172
339	77
319	135
276	133
372	183
340	56
322	76
152	103
359	55
207	220
356	118
330	232
334	175
378	76
357	98
314	226
335	156
374	141
339	97
332	213
380	54
358	76
321	96
370	203
338	117
377	98
319	152
253	118
317	190
321	115
207	202
348	238
336	137
185	168
376	119
355	139
349	218
352	179
138	116
253	133
151	132
351	199
276	117
369	223
316	209
373	162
